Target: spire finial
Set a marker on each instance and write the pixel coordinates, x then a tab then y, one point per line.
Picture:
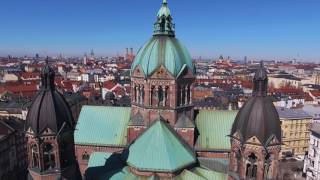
164	2
260	81
47	76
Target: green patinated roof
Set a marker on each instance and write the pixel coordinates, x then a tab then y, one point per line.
163	48
197	173
214	128
166	51
100	163
98	159
164	10
207	174
159	149
102	125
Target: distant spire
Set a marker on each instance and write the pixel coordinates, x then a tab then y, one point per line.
164	24
47	77
260	81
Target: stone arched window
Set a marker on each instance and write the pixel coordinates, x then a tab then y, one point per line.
141	94
85	156
251	166
135	93
153	95
49	160
183	95
35	156
160	96
178	96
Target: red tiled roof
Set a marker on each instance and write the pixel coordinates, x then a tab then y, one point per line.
30	75
315	93
20	89
109	84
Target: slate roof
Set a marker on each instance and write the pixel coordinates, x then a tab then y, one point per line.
214	128
159	149
257	117
286	113
49	109
102	126
315	129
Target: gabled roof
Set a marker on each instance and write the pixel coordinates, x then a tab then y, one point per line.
102	125
286	113
159	149
214	128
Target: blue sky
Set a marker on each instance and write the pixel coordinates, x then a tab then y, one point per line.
208	28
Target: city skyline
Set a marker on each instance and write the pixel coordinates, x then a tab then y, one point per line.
280	30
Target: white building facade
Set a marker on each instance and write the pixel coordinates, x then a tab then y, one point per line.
312	161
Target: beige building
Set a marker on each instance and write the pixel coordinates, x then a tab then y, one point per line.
295	125
10	77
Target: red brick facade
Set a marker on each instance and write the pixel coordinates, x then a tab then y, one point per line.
253	160
163	95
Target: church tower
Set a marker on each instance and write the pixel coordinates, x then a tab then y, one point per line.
256	135
49	131
162	79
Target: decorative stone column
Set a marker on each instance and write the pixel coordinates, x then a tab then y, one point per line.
186	95
181	95
191	90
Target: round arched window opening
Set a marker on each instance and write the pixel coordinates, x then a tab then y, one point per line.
48	157
35	156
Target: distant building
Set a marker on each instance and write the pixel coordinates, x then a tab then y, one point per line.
13	149
312	160
295	125
9	77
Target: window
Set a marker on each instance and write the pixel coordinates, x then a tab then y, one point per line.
35	156
48	157
251	167
85	156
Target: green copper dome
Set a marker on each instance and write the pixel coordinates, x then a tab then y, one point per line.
163	49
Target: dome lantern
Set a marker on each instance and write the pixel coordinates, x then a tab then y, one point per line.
260	81
47	77
164	24
163	49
